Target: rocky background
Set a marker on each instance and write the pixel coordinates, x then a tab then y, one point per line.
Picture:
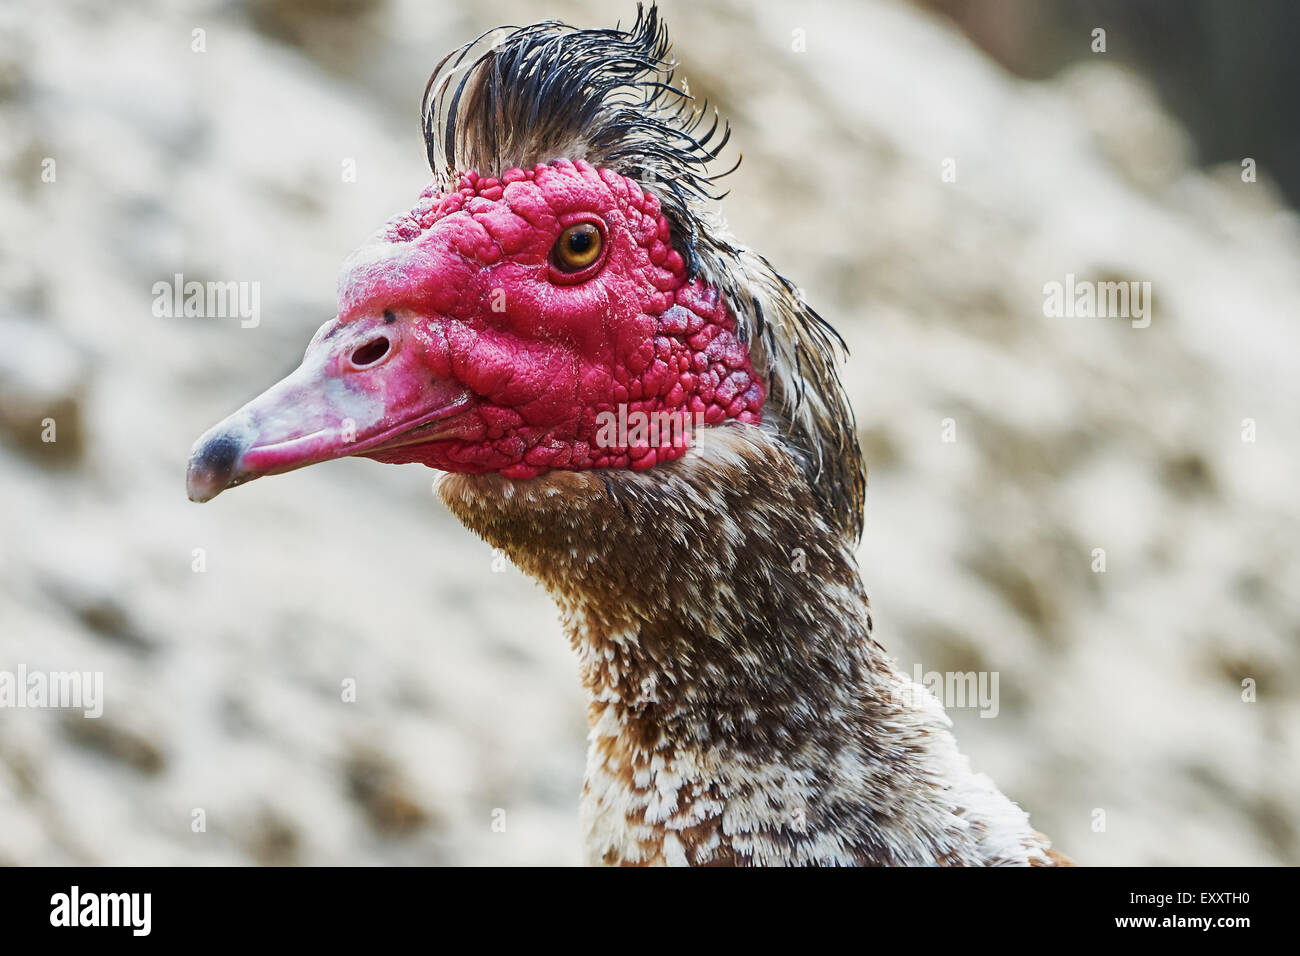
1121	724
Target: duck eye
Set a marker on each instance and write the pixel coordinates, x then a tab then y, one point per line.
578	247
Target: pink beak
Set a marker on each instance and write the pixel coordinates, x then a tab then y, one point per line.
361	386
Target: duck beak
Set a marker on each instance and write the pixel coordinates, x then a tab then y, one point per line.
357	390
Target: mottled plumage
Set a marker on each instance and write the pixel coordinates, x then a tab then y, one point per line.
740	710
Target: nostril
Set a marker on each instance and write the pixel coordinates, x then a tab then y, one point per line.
370	353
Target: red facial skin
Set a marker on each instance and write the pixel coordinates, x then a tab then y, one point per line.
543	353
501	360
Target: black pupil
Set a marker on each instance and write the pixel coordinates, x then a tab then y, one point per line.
579	241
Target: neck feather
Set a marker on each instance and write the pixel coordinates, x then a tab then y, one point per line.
740	710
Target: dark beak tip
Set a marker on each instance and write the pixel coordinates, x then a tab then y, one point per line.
212	466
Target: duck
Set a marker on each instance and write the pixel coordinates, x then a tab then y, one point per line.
645	416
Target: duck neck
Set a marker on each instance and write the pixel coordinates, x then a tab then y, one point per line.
740	710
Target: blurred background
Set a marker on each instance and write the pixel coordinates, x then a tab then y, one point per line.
1121	692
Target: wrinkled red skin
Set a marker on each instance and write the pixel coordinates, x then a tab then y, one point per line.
541	353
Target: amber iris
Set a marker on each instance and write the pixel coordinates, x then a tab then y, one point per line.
578	247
